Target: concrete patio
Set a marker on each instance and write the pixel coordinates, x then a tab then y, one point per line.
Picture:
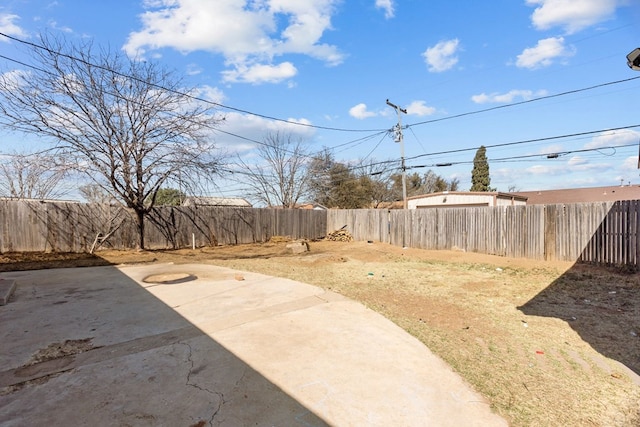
197	345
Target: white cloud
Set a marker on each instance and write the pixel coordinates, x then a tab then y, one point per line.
590	168
260	73
388	7
360	112
15	78
506	98
8	26
193	69
211	93
544	53
630	163
577	161
153	3
613	139
579	171
580	164
572	165
500	173
551	149
418	108
571	15
63	28
256	128
248	34
542	170
442	56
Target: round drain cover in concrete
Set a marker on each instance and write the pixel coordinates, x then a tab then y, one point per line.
169	278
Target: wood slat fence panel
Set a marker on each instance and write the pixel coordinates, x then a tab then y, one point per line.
211	226
27	226
22	227
602	233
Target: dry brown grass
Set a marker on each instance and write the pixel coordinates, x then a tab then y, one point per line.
519	331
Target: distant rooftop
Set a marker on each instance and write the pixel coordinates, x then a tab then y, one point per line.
582	195
236	202
25	199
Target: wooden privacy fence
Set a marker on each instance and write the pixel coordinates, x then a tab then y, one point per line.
73	227
604	233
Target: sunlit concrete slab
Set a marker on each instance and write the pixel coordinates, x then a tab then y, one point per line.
167	344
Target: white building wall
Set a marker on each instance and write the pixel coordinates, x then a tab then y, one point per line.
443	200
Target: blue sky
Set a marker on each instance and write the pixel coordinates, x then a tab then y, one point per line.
462	69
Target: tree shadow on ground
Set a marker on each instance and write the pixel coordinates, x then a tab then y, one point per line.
600	299
602	304
94	346
24	261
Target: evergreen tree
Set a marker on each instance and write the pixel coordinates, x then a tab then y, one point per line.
169	197
480	179
348	191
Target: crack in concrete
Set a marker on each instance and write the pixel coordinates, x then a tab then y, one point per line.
95	355
241	379
193	371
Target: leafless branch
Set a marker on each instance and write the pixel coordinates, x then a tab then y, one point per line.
129	125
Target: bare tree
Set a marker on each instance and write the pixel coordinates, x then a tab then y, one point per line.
129	125
32	176
93	193
281	177
319	167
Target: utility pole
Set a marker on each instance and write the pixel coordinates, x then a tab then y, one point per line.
398	138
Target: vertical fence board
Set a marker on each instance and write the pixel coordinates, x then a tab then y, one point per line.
603	233
73	227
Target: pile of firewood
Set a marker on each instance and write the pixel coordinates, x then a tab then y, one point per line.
341	235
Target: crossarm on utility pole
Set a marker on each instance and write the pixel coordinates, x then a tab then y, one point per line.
400	139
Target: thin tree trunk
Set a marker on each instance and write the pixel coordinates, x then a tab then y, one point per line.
140	217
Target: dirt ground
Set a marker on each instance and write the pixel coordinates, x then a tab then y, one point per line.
547	343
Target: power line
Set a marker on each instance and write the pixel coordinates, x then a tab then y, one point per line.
527	101
196	98
356	141
373	149
352	142
570	92
359	140
529	156
526	141
436	153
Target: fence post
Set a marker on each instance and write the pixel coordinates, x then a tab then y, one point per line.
550	217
